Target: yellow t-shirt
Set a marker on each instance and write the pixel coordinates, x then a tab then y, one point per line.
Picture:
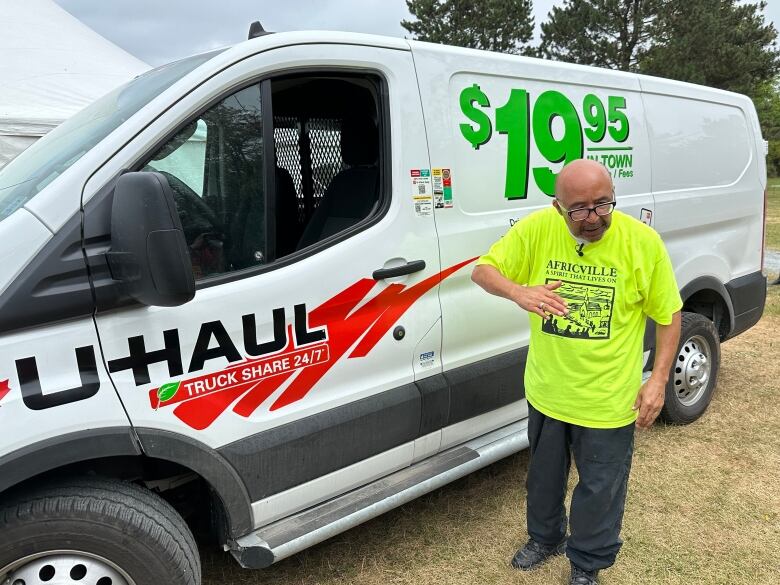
586	369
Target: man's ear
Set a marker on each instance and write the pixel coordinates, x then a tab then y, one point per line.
556	206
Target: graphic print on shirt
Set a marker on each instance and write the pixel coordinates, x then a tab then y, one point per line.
590	311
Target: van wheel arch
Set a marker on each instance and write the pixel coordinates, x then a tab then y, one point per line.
207	463
115	453
708	297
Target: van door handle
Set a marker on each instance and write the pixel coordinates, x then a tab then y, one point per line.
403	270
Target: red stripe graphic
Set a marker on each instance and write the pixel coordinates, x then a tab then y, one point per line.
200	413
346	325
4	388
380	313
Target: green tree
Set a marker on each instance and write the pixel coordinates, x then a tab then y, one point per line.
605	33
720	43
767	101
773	159
494	25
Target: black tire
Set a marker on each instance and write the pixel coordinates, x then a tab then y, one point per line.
108	527
688	393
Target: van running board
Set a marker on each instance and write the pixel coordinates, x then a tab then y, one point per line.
286	537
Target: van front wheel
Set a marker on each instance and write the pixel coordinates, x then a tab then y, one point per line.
97	531
694	373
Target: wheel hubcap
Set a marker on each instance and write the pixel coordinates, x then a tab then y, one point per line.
63	568
692	370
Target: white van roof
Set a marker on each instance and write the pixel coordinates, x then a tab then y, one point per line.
536	67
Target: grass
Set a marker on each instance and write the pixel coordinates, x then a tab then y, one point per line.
703	505
773	215
772	307
773	241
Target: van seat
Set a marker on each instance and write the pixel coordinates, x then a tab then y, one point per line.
354	191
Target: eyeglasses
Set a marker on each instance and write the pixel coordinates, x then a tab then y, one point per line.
583	213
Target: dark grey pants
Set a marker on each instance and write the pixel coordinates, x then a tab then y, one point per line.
603	459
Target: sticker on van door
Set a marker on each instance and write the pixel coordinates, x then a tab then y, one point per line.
442	188
349	320
427	359
422	193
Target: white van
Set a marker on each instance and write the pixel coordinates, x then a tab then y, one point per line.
235	293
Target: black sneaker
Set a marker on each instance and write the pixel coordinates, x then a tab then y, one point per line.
534	554
582	577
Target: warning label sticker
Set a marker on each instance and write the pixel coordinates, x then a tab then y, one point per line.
442	188
427	359
422	191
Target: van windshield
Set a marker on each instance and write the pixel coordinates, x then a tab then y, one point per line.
35	168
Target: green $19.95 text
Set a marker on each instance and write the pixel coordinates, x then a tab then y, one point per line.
516	118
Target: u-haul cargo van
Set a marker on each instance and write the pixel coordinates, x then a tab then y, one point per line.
237	289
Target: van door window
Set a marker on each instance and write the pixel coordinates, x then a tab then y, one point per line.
185	158
326	170
328	160
214	166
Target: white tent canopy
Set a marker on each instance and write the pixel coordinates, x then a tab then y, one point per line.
51	66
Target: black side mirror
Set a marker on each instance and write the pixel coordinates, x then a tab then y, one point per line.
148	253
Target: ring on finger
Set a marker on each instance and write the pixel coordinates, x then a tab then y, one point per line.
541	305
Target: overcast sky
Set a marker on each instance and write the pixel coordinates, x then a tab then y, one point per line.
159	31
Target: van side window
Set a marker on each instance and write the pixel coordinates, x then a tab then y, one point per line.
326	147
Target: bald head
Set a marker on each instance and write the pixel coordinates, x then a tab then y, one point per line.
583	184
582	177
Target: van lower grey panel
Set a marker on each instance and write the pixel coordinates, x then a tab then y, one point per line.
486	385
281	458
748	296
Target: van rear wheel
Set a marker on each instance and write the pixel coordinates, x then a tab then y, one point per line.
694	373
97	531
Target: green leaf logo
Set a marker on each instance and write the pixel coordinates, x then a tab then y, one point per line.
167	391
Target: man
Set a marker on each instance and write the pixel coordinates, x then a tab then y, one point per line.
588	276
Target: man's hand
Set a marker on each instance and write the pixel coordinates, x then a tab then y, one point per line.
650	399
649	402
541	300
534	299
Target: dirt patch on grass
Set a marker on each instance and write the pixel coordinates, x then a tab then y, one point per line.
703	506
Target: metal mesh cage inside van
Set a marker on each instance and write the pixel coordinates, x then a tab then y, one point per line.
310	150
